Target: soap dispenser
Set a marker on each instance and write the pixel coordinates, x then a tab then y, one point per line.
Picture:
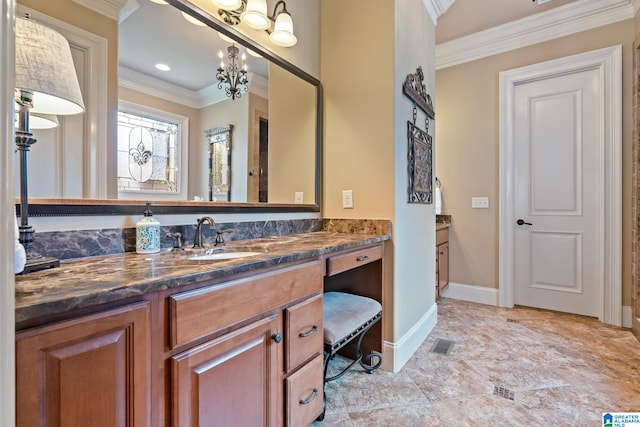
148	233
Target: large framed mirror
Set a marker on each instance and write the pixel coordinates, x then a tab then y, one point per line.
276	126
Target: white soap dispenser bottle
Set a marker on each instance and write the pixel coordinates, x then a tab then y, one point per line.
148	233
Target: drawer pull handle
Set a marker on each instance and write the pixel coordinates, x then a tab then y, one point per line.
362	258
310	399
313	330
276	337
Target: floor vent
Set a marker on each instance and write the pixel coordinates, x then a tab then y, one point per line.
442	346
512	321
503	392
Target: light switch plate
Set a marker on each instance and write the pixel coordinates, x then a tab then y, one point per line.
298	197
347	199
480	202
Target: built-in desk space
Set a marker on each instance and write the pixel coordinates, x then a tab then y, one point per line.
360	272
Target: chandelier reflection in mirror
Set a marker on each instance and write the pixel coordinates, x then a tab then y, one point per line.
147	153
233	77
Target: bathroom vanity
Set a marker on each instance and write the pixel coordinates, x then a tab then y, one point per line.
151	340
442	258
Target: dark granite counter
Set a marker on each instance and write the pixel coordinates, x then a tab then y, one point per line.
86	282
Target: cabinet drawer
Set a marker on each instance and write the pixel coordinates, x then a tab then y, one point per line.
442	236
200	312
304	394
339	263
303	331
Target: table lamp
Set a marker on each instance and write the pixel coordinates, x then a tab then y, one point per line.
46	83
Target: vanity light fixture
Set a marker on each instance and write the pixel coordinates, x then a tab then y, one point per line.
193	20
234	75
254	14
45	82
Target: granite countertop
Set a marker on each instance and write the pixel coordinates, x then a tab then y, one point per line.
85	282
442	222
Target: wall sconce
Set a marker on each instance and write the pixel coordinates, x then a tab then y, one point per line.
234	75
254	14
46	82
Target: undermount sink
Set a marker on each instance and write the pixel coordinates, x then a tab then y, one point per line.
222	255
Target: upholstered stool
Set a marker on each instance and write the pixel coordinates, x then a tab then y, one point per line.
347	317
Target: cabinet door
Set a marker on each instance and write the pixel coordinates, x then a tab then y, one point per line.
233	380
443	267
91	371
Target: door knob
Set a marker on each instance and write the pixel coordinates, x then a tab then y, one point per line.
521	222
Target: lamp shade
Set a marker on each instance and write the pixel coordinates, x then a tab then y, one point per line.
42	121
44	67
282	34
255	15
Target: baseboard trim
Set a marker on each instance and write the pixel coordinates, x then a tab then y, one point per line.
396	354
627	316
490	296
471	293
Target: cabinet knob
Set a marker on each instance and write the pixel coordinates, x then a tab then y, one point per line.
277	337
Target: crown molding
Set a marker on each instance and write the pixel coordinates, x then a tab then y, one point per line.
140	82
144	83
548	25
109	8
437	7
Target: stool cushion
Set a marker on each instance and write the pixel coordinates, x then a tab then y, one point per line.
344	313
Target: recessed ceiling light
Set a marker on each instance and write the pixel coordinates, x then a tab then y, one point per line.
159	1
163	67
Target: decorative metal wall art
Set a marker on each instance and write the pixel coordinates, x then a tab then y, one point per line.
420	153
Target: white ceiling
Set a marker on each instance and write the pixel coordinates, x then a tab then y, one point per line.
155	33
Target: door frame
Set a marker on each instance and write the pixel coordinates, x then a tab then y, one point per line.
609	63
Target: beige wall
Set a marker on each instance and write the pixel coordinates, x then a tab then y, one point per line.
366	53
292	130
467	148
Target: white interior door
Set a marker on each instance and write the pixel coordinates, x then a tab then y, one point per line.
558	235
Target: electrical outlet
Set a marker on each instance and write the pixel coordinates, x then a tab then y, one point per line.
480	202
298	197
347	199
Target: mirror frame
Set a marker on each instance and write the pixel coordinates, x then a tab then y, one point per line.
45	207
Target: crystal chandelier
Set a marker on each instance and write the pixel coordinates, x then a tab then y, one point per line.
234	75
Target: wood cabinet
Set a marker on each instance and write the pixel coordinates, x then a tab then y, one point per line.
230	381
93	370
256	346
246	349
442	261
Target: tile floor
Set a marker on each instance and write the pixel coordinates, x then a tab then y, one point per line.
559	369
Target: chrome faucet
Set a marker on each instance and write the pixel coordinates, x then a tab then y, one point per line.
197	238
